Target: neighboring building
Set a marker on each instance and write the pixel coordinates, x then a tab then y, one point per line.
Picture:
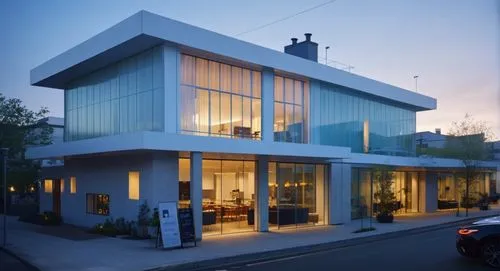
494	148
428	139
252	139
57	137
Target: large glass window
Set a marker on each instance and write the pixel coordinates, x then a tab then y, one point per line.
340	117
219	99
364	186
228	189
124	97
297	194
290	110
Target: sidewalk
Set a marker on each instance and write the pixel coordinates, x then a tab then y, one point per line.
53	253
11	263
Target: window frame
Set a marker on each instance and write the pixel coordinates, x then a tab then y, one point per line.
95	204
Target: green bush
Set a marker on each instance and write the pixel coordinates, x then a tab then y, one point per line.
51	218
122	226
107	228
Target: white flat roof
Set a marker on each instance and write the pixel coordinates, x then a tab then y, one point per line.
144	30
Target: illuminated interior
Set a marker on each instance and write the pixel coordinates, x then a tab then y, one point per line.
219	99
228	194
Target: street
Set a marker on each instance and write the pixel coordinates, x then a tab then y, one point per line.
426	251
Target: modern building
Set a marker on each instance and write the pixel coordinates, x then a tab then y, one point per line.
250	138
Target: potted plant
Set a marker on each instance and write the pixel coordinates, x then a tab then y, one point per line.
386	200
484	202
143	220
154	223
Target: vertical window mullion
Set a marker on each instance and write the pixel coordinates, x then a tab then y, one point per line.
220	97
209	100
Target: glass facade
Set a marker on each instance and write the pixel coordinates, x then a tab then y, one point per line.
342	118
452	189
290	110
228	194
127	96
405	187
219	99
297	194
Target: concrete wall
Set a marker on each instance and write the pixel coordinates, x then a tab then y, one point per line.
109	175
339	193
428	192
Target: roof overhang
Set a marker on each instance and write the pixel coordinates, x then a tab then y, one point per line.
144	30
184	143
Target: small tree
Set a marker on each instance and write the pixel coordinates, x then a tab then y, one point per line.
384	195
467	142
19	128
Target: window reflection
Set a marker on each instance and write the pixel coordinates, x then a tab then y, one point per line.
124	97
289	112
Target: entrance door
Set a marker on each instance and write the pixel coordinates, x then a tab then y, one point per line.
56	196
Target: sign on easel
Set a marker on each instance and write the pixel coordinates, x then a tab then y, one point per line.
186	226
169	224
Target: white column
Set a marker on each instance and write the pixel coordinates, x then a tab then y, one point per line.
340	193
196	192
171	64
431	192
268	105
164	178
262	195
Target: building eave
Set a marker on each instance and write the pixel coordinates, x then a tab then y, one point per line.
159	141
144	30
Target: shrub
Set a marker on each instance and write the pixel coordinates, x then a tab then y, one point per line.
122	226
107	228
155	221
51	218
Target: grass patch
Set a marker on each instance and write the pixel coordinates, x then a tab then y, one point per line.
364	230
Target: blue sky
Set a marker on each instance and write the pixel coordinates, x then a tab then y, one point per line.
453	45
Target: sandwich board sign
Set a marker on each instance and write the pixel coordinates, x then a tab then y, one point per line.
169	224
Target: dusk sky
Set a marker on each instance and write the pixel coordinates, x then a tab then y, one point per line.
452	45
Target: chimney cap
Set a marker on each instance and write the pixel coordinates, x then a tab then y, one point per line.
294	40
308	36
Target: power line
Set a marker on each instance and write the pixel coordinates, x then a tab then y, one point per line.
285	18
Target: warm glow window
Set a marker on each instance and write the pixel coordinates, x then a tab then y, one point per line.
72	185
133	185
47	186
219	99
98	204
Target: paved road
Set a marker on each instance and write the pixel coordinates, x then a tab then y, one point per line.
426	251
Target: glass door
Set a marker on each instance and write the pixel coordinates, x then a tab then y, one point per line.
287	195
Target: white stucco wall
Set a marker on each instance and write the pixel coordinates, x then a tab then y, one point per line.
109	175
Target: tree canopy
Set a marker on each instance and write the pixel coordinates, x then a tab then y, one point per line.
21	127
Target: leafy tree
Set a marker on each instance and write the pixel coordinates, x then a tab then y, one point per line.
19	129
384	194
467	142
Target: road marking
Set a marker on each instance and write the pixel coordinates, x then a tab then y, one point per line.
286	258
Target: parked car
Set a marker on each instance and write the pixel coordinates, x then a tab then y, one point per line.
481	239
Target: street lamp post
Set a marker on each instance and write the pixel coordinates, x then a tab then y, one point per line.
4	154
326	54
416	81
